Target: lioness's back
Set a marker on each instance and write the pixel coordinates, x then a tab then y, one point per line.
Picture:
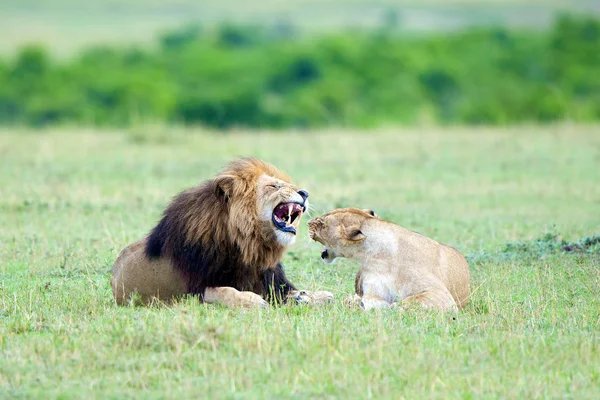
457	275
427	255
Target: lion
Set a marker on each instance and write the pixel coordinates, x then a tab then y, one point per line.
398	267
222	241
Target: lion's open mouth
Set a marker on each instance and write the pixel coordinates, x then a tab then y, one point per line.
286	216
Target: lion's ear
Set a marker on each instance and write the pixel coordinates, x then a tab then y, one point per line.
354	234
224	187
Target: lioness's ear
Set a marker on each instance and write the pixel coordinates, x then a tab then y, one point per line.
224	186
372	213
354	234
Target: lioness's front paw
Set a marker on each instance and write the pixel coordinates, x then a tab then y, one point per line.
373	302
252	300
353	301
306	297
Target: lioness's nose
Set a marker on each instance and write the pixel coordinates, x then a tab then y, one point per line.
303	193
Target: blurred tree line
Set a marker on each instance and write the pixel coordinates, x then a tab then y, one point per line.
276	78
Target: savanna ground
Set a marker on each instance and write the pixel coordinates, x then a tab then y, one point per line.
70	200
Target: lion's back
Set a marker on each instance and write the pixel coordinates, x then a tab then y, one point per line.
133	272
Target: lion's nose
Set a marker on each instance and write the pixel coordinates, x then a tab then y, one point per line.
303	193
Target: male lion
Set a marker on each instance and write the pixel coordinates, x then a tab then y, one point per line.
222	240
397	265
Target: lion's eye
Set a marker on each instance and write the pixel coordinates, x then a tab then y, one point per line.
277	187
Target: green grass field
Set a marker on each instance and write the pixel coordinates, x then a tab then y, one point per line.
70	200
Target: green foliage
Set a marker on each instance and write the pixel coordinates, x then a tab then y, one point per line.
550	243
249	76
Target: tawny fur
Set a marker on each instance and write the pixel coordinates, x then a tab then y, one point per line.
216	241
397	265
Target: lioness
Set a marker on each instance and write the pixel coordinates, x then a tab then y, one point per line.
397	265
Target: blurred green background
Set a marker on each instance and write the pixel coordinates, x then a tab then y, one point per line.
302	64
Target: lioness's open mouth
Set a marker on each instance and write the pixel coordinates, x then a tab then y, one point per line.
286	216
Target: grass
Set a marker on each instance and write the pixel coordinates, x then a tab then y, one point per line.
70	200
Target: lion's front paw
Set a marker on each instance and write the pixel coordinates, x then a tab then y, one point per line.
299	296
306	297
252	300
